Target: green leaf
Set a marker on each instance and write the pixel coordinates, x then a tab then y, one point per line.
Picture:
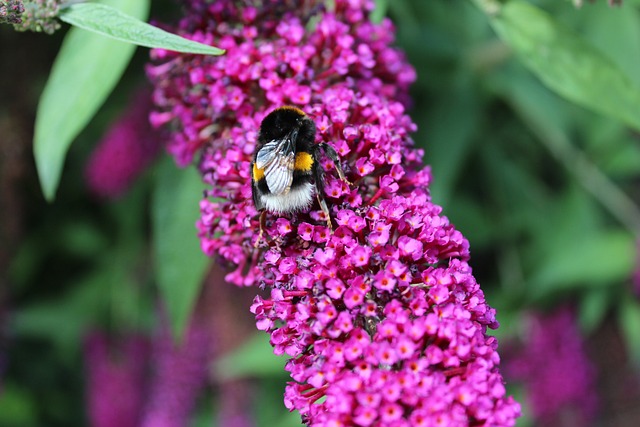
380	11
17	406
254	359
629	318
84	73
566	63
268	407
547	118
180	264
289	419
110	22
63	320
615	31
82	239
593	308
624	162
450	135
595	260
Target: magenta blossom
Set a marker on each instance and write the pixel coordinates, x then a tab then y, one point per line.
552	364
116	378
124	152
383	319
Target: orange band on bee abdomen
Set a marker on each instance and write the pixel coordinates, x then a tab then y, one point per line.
290	108
258	174
304	161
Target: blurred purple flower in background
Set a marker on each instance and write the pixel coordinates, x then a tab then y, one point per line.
559	379
136	381
116	379
179	375
125	151
382	316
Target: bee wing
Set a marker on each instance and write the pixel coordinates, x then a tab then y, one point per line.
277	159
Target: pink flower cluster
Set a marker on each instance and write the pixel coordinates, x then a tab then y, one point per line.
124	152
386	337
382	316
552	364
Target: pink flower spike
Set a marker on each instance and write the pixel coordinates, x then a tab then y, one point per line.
372	298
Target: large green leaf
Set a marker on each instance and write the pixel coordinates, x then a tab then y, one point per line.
84	73
621	46
254	359
110	22
179	262
594	260
593	308
380	10
17	405
64	319
566	63
545	115
449	135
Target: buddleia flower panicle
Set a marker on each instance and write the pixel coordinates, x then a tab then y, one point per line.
382	317
39	16
11	11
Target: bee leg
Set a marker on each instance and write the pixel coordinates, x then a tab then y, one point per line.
263	224
325	209
318	176
331	153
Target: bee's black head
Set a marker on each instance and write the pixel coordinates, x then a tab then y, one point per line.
282	121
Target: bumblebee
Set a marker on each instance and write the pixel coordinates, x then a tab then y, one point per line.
285	171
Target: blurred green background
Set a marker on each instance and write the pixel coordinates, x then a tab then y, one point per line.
530	121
